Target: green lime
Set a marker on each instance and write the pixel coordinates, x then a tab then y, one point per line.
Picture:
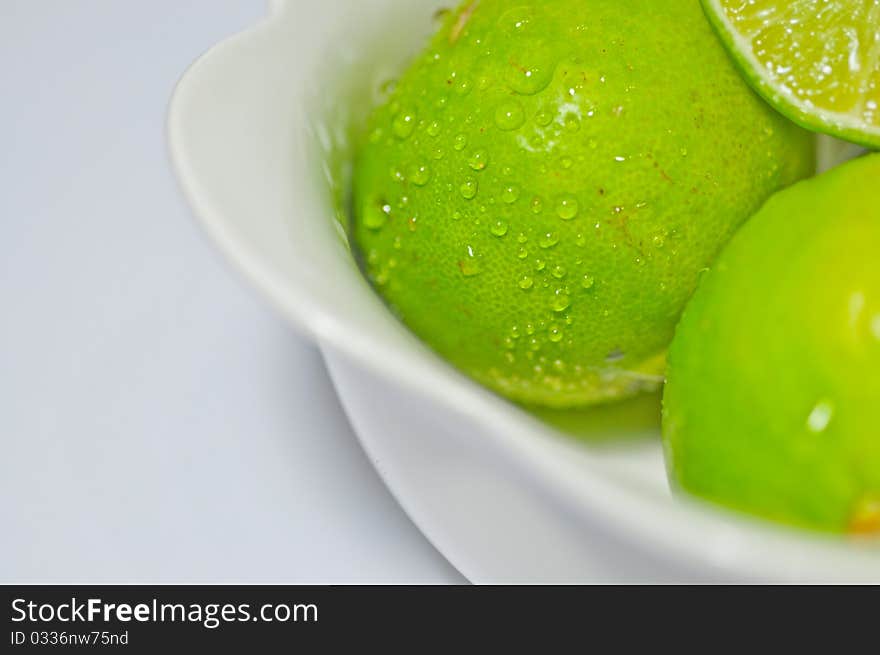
539	193
816	62
772	404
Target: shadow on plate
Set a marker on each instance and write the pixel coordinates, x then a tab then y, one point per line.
629	420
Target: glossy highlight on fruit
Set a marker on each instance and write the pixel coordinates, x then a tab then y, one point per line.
539	192
772	404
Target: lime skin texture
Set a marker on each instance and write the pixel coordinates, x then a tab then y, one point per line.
539	193
772	404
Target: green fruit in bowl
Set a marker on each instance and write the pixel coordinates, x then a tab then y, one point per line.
537	196
772	404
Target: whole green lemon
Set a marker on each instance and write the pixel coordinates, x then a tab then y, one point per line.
542	187
773	400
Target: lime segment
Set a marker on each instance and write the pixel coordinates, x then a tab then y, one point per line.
816	61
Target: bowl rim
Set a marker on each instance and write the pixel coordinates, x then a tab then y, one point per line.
687	530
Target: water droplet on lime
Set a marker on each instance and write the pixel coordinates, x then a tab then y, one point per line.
529	79
376	215
567	207
478	160
509	115
419	175
548	240
403	124
468	189
561	301
499	228
510	193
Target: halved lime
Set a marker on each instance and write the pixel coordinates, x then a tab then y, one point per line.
815	61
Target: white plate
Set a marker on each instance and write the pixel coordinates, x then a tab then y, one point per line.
506	496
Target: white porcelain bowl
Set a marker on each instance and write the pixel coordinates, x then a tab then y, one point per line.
257	131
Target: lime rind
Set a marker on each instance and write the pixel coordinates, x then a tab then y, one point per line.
847	125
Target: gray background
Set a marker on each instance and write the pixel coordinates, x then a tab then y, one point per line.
157	421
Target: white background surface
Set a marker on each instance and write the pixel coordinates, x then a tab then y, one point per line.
157	421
